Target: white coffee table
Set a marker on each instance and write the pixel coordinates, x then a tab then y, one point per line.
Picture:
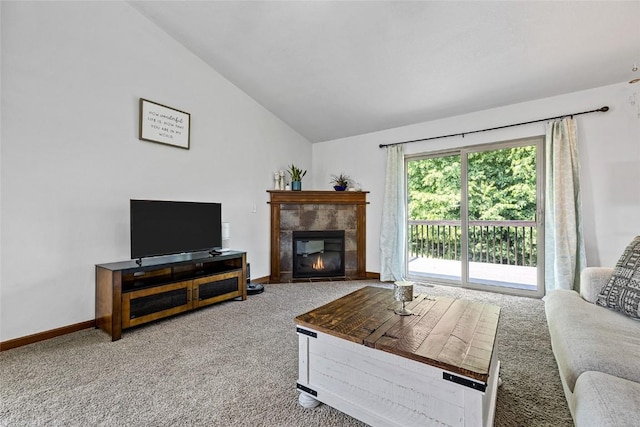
436	367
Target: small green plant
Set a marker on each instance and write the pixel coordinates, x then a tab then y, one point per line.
296	173
341	180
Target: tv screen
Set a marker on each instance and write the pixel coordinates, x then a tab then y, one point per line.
165	227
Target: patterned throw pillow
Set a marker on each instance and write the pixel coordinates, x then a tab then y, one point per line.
622	292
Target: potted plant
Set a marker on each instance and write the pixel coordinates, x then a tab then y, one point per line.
296	177
340	182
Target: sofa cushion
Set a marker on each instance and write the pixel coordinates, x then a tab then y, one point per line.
586	337
592	280
622	292
606	401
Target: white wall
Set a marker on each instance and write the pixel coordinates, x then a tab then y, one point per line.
72	75
609	150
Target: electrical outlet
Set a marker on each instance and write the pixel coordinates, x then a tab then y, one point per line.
253	208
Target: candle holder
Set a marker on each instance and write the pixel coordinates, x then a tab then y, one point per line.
403	292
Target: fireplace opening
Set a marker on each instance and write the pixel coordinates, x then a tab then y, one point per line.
318	254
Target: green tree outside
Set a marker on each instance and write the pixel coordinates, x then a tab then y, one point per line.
502	186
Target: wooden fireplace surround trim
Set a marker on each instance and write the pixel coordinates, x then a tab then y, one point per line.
357	198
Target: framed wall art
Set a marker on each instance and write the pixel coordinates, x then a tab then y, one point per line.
165	125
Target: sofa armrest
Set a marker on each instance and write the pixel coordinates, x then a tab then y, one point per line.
592	280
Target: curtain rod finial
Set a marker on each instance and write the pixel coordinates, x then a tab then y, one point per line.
605	108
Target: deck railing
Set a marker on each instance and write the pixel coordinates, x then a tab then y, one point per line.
495	242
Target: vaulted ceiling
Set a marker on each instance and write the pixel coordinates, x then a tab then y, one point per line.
333	69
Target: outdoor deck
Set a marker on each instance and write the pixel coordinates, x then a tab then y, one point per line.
508	276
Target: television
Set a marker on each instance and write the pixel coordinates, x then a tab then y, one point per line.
167	227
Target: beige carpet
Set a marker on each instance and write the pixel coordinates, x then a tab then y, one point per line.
235	364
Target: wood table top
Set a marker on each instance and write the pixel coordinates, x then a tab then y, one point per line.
452	334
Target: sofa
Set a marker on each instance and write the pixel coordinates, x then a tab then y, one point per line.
597	350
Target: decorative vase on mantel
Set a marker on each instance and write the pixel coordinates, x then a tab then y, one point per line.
340	182
296	177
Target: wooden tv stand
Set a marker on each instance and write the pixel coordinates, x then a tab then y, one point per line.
129	294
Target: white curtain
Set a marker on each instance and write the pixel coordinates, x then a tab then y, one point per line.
393	217
564	244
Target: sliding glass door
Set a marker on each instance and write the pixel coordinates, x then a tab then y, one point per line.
434	233
473	217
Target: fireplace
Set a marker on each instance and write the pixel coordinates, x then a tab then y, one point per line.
318	253
317	210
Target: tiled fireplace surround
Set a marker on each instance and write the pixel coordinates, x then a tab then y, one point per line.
313	211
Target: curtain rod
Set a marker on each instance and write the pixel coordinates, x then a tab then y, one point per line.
601	109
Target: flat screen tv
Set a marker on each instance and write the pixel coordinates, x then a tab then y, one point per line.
166	227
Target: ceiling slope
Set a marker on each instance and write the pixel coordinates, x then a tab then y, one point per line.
334	69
